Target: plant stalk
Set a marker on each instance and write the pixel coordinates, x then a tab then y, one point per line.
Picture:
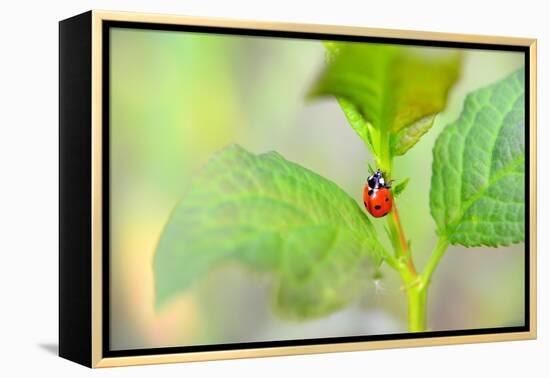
415	290
415	287
416	297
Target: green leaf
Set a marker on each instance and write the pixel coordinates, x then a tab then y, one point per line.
388	89
357	122
273	216
405	139
400	187
478	181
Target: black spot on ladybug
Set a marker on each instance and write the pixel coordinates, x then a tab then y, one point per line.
365	203
371	192
377	207
387	199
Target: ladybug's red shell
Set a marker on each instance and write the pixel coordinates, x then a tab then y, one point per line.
377	201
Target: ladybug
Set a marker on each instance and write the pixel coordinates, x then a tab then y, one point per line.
377	196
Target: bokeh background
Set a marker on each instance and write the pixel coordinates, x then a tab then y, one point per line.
177	97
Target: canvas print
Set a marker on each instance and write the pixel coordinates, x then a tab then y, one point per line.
267	188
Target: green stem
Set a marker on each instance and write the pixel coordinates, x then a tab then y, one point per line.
416	297
384	158
415	285
437	254
416	292
417	288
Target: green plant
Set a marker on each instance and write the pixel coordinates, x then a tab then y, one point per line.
278	217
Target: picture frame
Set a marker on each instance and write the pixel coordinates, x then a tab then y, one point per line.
85	322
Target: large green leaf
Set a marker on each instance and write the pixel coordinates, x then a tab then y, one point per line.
273	216
478	184
395	90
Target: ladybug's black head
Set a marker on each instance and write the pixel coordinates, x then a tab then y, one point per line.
376	181
372	182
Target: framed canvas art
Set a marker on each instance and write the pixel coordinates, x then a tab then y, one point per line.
235	189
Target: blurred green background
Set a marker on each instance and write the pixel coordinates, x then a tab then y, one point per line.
177	97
